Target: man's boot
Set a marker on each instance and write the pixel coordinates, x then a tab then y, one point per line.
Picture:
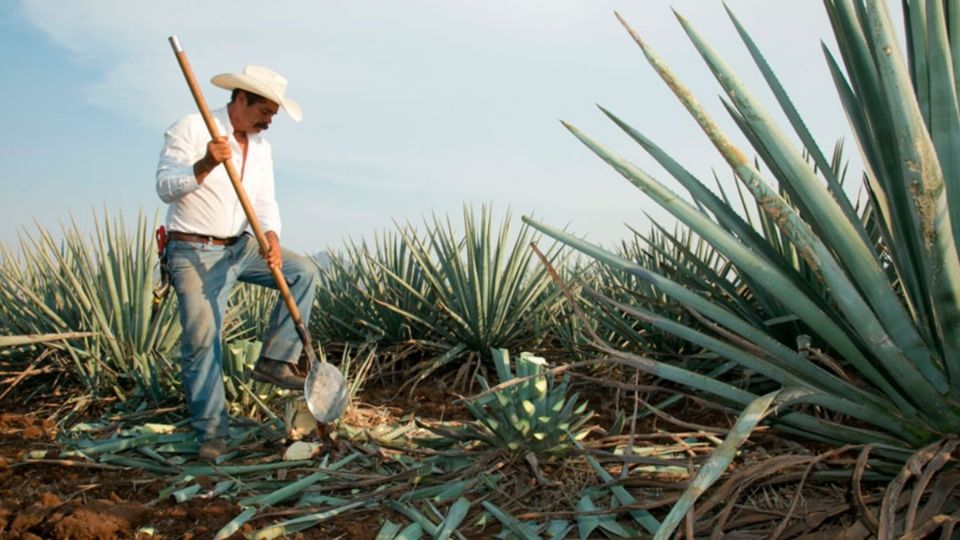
211	449
277	373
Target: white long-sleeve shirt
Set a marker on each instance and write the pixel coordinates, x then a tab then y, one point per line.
211	207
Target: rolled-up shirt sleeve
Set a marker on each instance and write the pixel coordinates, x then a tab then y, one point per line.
175	177
265	201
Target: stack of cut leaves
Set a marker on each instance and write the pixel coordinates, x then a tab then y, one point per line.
252	474
400	473
874	293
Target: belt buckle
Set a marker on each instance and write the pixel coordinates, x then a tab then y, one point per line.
210	241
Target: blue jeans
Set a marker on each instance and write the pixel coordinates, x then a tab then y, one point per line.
203	275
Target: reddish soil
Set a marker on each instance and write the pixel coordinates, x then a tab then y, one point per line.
427	401
86	501
81	502
76	502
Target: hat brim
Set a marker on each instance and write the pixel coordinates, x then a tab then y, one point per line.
230	81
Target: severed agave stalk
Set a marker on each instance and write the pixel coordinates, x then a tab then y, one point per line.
535	414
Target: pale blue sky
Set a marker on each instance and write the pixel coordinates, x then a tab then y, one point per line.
410	107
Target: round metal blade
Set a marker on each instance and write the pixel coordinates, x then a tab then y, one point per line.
325	392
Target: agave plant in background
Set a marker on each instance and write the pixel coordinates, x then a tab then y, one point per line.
357	300
682	257
886	303
248	312
449	293
102	285
568	332
482	290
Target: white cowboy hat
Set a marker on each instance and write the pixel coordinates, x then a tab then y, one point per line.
263	82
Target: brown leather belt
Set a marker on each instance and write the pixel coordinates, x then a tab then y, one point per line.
212	240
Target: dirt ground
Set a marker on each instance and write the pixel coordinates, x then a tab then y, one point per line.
51	498
86	501
76	502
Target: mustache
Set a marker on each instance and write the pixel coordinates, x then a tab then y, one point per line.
261	125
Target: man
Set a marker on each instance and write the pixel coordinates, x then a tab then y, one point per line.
209	250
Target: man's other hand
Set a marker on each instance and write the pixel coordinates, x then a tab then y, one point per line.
273	258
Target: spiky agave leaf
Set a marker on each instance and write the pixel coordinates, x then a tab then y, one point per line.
102	284
484	289
886	323
359	300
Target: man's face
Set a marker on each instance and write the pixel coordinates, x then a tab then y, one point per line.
256	117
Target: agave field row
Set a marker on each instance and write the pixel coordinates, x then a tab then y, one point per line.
449	294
